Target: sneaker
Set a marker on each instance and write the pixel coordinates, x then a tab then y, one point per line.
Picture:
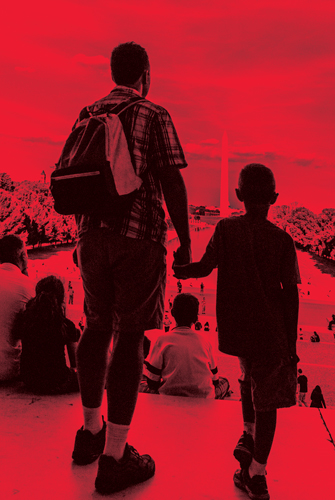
116	475
244	450
87	446
256	486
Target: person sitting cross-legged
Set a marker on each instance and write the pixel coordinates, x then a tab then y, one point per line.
181	362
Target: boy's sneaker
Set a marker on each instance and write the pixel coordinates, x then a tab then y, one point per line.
87	446
256	486
116	475
244	450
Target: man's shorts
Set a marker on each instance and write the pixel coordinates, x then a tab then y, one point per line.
124	281
272	385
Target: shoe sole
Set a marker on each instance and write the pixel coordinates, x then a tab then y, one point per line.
85	461
101	487
242	486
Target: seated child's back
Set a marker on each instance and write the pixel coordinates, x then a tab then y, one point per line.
182	360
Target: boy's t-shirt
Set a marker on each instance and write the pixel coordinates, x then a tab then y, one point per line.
255	260
184	360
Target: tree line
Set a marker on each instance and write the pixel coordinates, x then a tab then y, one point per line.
26	209
312	232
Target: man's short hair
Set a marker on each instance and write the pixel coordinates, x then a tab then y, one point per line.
11	247
185	309
300	370
257	183
128	62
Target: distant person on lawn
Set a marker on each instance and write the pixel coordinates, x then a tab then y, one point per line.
303	388
181	362
45	331
15	291
257	315
122	262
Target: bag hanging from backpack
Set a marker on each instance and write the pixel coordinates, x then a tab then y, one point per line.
95	174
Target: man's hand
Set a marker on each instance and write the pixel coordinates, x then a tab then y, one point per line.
180	272
182	256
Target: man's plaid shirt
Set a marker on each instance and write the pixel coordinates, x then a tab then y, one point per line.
154	145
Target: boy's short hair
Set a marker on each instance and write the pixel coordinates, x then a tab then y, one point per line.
256	183
185	309
128	61
11	247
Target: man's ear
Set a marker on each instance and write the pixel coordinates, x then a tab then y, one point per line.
239	194
145	77
274	198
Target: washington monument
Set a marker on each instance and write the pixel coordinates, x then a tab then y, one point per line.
224	193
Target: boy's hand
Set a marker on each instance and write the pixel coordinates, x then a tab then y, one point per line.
180	271
182	256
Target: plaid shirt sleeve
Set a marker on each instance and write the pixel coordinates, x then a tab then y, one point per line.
167	150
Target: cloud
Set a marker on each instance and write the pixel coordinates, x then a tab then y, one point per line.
210	142
303	162
97	61
52	141
21	69
205	150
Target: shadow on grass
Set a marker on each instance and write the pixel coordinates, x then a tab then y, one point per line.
48	251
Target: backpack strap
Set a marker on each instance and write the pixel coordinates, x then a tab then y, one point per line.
117	110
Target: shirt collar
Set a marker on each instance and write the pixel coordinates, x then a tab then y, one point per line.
126	89
7	266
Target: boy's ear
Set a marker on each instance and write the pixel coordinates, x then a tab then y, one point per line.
239	194
274	198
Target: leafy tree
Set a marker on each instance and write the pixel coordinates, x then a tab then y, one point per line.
6	182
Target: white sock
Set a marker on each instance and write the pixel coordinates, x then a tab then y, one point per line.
116	438
92	419
256	469
249	428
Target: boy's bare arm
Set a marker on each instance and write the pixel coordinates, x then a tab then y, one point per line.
291	311
193	270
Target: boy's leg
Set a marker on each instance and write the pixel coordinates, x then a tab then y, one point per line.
265	427
244	449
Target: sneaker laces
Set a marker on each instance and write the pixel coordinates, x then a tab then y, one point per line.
135	453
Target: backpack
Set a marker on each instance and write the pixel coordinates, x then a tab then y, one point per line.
95	174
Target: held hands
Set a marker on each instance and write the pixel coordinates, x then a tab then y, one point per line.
182	256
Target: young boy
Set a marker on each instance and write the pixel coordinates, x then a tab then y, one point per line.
257	315
181	362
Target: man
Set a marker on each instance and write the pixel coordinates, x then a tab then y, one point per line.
15	291
303	384
122	263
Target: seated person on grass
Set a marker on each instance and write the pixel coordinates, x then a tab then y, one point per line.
181	362
45	331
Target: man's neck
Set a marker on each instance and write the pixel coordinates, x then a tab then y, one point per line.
129	87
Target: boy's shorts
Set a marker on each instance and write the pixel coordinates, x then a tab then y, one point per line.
272	385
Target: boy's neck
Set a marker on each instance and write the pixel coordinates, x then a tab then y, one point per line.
259	212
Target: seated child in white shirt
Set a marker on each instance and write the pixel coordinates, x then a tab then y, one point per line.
181	362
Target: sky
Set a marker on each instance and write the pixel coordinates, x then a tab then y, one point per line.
263	72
